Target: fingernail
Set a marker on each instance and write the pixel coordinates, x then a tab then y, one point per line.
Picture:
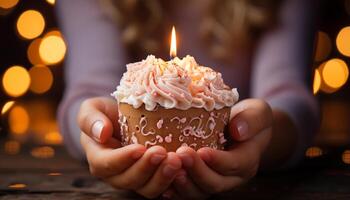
97	129
181	179
186	159
157	158
169	171
242	128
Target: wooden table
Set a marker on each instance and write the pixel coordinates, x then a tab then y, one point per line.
62	177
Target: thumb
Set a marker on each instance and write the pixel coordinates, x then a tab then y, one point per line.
98	118
248	118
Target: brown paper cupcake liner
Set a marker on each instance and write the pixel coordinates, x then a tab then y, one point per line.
172	128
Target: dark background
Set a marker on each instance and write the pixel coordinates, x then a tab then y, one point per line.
41	139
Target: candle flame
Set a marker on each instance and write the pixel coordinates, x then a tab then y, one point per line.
173	43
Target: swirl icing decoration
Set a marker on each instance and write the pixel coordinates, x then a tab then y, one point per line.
178	83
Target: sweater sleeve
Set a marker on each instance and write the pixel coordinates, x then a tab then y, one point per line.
282	70
94	64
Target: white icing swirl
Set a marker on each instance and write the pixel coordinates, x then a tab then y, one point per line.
179	83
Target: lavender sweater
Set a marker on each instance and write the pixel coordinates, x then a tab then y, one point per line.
278	71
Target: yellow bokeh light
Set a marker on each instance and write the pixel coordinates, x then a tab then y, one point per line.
346	157
7	106
313	152
43	152
17	186
16	81
54	174
41	79
30	24
52	2
12	147
317	81
18	120
7	4
53	137
335	73
33	52
343	41
323	46
52	49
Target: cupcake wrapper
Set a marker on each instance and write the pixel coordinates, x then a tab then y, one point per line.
172	128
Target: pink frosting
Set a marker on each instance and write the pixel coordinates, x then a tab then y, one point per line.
178	83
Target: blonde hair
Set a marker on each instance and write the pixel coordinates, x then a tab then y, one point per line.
226	23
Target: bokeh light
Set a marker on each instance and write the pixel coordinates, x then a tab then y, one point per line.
52	2
7	4
12	147
54	174
346	157
18	120
33	52
41	79
52	49
43	152
7	106
334	73
16	81
323	46
317	81
17	186
343	41
313	152
53	138
30	24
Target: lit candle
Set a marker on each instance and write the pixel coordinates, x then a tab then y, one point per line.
173	43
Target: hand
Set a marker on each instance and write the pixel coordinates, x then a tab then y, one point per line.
148	172
212	171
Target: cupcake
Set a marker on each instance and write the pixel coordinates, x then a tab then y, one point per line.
172	104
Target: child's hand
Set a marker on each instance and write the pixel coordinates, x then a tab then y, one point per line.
148	172
212	171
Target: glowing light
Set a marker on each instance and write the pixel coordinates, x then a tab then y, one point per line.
18	120
52	2
313	152
7	106
12	147
346	157
16	81
41	79
43	152
7	4
317	81
54	32
173	50
54	174
343	41
323	46
53	138
30	24
33	52
17	186
335	73
52	49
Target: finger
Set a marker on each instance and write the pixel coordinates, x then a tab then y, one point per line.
241	160
186	189
202	175
162	178
139	173
97	118
248	118
105	161
169	194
